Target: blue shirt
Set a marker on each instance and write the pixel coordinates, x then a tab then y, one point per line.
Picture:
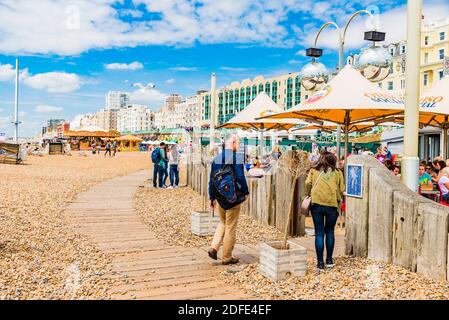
236	160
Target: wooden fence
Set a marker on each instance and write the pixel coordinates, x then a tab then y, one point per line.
269	199
393	224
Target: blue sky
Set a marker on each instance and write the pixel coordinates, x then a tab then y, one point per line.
73	52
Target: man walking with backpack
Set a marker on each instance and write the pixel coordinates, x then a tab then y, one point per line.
157	156
228	187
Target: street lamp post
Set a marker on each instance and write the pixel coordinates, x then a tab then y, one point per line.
16	105
314	52
410	161
212	114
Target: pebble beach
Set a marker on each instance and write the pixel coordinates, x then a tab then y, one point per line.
40	255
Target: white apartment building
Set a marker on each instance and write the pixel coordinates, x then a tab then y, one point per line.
172	100
183	114
192	112
84	121
161	118
107	119
135	118
117	99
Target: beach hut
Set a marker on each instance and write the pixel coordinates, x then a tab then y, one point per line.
83	138
348	99
128	143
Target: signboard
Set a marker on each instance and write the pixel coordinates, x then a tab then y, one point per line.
446	66
354	180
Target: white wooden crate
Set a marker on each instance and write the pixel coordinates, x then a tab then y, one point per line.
203	224
277	264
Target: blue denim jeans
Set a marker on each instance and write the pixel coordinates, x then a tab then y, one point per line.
324	220
158	173
174	175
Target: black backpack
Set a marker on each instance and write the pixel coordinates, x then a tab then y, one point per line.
225	188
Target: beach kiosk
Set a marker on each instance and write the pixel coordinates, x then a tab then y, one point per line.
128	143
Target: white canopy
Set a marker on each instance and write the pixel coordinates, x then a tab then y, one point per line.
347	98
261	106
434	103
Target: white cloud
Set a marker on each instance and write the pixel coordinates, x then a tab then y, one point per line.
393	22
123	66
132	13
151	97
294	61
170	81
184	69
54	82
72	27
7	72
47	109
233	69
4	122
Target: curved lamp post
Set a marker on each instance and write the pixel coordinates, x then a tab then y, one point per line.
314	52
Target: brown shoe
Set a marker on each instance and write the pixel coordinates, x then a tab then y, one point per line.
232	261
212	253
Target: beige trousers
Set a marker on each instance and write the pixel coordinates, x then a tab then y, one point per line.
226	231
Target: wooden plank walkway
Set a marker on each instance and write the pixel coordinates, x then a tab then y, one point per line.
144	267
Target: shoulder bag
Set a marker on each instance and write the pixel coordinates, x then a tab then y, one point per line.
306	203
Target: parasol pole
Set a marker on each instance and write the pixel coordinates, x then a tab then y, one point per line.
410	161
261	142
445	156
346	136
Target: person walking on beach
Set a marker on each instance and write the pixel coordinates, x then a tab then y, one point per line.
108	149
325	184
173	158
157	156
114	148
228	187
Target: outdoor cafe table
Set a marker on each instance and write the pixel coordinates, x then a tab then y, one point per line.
432	194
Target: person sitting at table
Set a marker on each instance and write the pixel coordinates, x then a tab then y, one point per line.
443	183
425	180
256	170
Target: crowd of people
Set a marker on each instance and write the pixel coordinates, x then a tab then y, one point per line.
433	175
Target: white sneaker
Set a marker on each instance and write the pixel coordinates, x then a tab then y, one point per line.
170	187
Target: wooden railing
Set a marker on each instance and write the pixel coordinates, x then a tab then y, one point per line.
270	196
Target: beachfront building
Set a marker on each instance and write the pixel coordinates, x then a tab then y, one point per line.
171	101
285	90
183	114
117	99
83	121
192	111
135	117
107	119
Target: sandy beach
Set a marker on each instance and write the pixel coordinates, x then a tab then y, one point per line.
39	254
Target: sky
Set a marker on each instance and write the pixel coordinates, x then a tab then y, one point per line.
73	52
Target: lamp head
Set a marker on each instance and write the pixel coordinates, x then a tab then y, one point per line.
314	52
314	75
374	63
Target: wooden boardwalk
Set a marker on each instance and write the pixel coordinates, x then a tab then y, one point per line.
144	267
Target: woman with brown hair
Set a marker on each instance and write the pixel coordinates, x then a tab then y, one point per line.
325	184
